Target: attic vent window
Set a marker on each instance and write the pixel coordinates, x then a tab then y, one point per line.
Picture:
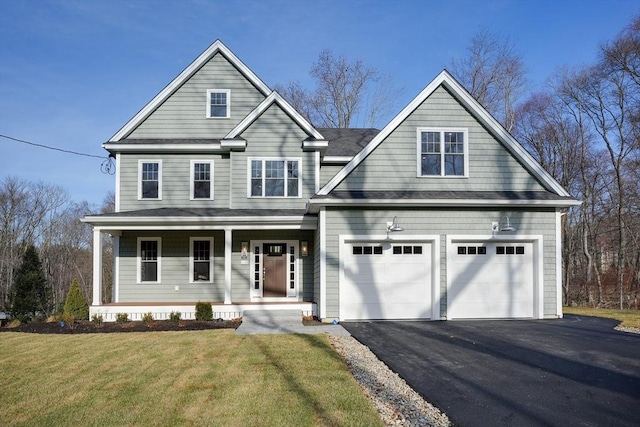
442	152
218	104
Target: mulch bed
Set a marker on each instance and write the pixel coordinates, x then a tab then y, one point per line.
86	327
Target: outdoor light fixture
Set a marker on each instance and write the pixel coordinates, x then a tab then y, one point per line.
304	248
393	226
507	227
244	254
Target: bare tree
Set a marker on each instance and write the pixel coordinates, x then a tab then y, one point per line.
493	73
346	94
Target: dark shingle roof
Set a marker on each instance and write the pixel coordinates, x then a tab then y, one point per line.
206	212
347	142
441	195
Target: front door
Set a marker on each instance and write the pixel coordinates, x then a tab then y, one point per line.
274	279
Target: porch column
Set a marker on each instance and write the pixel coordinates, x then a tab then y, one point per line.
228	253
97	266
116	267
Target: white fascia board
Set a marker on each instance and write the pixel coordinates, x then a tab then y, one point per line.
260	109
336	159
162	148
444	78
168	90
314	206
233	144
315	145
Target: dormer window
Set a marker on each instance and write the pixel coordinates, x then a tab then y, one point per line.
218	104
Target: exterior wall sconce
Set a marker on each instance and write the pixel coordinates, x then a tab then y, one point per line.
244	253
304	248
507	227
393	226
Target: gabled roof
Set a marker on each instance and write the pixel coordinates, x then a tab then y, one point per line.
445	79
347	141
216	47
274	97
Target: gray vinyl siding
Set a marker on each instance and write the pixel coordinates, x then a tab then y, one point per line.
275	135
174	270
176	179
440	222
393	164
183	114
175	267
327	172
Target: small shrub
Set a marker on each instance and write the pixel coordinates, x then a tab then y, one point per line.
75	303
175	316
204	311
97	319
147	318
122	318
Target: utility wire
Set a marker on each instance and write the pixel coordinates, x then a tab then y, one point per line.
51	148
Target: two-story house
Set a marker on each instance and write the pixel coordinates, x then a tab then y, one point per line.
226	194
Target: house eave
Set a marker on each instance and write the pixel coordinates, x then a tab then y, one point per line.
124	222
164	148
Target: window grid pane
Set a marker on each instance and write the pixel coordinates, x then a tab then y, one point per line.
218	106
433	144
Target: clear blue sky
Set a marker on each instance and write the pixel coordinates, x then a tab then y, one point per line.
72	72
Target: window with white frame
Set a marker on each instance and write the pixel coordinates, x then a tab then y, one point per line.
201	179
149	251
201	259
150	179
274	178
442	152
218	104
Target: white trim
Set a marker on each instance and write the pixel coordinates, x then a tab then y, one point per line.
164	147
336	159
264	176
316	159
442	131
559	275
317	145
140	163
116	267
192	179
263	106
431	239
192	240
228	254
233	144
228	105
538	263
139	260
322	235
445	79
177	82
117	190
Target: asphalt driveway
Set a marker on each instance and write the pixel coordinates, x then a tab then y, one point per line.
576	371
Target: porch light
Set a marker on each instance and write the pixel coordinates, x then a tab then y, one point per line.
393	226
244	253
304	248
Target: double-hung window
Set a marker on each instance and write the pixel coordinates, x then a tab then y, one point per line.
218	104
149	250
274	178
150	179
201	179
442	152
201	259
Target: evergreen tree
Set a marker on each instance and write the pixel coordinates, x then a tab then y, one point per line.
30	293
76	304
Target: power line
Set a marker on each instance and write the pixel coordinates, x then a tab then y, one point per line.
51	148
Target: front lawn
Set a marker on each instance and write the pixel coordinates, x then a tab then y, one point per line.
629	318
209	377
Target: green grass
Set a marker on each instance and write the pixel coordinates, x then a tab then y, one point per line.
629	318
177	379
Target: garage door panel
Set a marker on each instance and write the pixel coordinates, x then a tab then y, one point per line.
497	283
386	285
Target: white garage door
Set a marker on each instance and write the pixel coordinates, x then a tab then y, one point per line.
490	280
381	280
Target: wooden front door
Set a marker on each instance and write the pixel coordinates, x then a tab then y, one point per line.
274	280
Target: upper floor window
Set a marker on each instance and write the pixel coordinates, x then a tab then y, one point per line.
442	152
149	249
201	257
218	103
274	178
150	179
201	178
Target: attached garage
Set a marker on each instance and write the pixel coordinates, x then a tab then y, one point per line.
492	279
387	280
